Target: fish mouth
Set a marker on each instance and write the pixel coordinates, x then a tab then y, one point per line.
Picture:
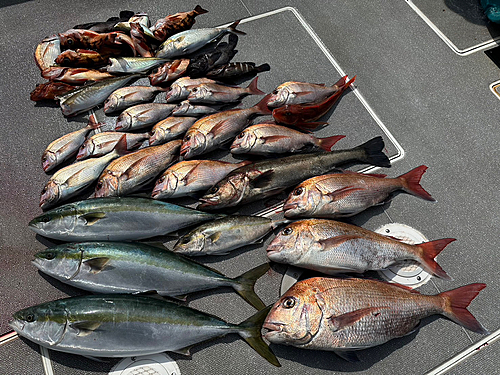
272	329
184	149
272	250
15	325
290	206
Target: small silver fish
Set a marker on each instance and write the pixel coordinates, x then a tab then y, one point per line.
133	64
192	176
221	236
143	115
170	128
129	96
71	180
67	146
213	93
93	94
189	41
104	142
131	172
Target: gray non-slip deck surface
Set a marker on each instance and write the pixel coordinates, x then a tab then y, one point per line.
436	104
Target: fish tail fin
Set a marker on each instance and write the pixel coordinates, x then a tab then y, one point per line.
328	142
244	285
250	331
262	106
411	183
374	154
252	88
199	10
232	28
430	250
93	123
262	68
455	306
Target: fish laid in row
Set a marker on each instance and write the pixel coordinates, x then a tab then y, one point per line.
332	247
213	93
210	132
133	64
270	177
221	236
124	267
125	97
185	108
180	89
115	219
170	128
74	76
271	139
133	171
142	116
190	177
348	193
73	179
345	315
104	142
128	325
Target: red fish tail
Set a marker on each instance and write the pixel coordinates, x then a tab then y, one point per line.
262	106
121	146
232	27
455	306
93	123
430	250
411	183
252	88
327	143
200	10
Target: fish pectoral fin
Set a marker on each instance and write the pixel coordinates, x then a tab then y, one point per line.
191	175
336	323
92	217
183	351
342	193
85	327
215	237
274	138
97	264
218	127
302	93
261	179
348	355
336	241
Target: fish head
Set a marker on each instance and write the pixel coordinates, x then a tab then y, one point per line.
166	185
62	219
110	104
43	324
191	243
302	200
288	114
67	58
86	149
174	94
124	121
198	94
194	143
278	97
290	244
182	108
157	136
244	142
108	185
226	193
50	194
296	317
62	261
49	160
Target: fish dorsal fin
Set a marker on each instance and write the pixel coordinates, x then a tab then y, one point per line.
97	264
333	242
336	323
262	179
92	217
85	327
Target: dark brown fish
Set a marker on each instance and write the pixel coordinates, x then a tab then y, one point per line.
113	43
139	39
82	58
50	90
175	23
237	69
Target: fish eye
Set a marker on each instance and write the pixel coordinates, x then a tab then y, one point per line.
50	255
275	92
30	318
45	219
187	138
298	191
44	190
287	231
288	302
194	89
99	184
213	189
185	240
288	113
70	42
241	135
66	60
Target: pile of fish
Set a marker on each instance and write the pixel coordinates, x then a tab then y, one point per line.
165	148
